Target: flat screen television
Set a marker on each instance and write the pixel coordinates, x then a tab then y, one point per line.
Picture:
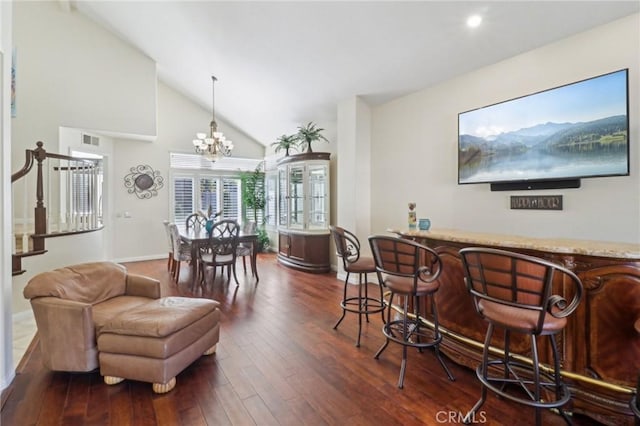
549	139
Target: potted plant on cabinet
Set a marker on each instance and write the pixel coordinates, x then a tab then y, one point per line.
310	133
285	142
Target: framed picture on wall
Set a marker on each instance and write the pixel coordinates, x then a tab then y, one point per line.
13	82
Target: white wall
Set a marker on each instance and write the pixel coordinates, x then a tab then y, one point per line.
73	73
99	99
354	168
104	86
414	146
141	235
6	355
353	172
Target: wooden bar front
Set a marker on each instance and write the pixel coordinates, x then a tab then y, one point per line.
599	348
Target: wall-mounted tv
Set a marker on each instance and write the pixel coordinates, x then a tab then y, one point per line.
548	139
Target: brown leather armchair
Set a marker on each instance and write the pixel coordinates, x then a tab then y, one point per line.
71	304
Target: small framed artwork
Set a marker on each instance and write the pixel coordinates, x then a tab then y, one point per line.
13	82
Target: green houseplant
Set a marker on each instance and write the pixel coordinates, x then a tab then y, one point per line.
310	133
254	201
285	142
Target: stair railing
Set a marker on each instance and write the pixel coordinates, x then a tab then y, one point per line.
73	194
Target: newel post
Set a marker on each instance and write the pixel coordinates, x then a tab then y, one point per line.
40	211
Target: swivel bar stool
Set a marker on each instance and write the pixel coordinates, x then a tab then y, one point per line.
411	271
514	292
348	248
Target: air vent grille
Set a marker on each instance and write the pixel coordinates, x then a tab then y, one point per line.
90	140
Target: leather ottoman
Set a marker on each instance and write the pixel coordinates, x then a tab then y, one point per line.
155	341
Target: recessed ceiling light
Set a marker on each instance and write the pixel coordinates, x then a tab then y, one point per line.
474	21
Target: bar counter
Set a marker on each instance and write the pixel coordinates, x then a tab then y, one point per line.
550	245
600	346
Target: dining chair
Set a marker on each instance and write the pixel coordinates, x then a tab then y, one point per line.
246	249
516	293
348	249
196	220
221	250
169	243
410	271
181	251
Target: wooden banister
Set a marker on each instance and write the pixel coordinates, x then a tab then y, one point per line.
38	156
28	164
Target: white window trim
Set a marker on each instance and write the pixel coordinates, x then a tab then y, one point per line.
196	175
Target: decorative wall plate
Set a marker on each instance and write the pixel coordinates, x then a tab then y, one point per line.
143	181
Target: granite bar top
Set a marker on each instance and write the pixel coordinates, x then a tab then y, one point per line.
552	245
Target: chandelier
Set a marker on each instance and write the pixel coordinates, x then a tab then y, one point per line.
214	146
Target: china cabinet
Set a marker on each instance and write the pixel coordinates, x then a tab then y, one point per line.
303	211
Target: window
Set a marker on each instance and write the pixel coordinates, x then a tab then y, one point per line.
231	206
209	195
271	208
182	198
206	196
200	185
81	187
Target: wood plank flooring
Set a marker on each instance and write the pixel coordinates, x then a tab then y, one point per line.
279	362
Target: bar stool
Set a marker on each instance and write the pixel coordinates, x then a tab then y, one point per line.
411	270
513	291
348	248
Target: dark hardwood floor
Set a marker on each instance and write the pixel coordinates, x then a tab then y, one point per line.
279	362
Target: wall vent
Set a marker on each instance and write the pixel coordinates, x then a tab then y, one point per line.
90	140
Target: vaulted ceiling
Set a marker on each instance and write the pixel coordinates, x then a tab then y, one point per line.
281	64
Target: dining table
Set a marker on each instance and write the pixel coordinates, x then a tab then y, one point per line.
198	236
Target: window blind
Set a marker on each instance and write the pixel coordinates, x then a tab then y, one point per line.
183	198
271	208
209	195
231	199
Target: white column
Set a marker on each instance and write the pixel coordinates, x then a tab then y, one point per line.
7	371
354	170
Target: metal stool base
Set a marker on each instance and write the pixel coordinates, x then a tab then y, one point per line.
498	385
415	335
361	305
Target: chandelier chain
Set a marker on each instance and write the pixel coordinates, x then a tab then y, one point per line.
213	146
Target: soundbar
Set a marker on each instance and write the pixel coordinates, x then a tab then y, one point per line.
525	185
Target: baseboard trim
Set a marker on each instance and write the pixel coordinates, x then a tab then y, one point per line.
141	258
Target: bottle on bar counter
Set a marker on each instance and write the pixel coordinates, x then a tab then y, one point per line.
412	216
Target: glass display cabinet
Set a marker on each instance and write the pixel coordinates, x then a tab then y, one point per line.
303	211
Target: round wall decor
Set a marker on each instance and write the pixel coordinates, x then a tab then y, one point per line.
143	181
